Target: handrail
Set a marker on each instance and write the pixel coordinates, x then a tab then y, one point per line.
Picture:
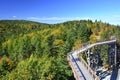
89	69
78	67
91	45
83	49
76	75
118	76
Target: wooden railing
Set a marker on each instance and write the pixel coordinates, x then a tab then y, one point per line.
81	50
89	69
76	74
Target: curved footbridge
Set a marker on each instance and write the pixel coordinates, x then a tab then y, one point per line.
80	68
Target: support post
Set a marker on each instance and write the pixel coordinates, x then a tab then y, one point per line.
88	57
115	60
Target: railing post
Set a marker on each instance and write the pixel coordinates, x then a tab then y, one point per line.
88	57
115	55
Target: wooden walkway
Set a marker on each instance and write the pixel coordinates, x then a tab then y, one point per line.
80	68
81	71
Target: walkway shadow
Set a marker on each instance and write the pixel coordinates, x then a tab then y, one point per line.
114	74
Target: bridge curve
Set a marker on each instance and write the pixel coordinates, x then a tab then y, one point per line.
80	68
78	51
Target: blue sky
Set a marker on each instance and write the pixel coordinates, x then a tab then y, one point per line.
55	11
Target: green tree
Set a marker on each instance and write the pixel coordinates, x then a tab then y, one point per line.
104	55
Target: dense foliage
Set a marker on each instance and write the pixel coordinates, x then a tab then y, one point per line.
32	50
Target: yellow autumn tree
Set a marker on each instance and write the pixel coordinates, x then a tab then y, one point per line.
93	38
58	42
56	32
31	34
77	44
6	42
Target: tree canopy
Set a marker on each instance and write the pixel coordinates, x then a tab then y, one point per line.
33	50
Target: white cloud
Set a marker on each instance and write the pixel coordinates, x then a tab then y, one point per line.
56	18
48	18
116	16
14	16
115	19
53	20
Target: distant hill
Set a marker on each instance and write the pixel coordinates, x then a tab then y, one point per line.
16	27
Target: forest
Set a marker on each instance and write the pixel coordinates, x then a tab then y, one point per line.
38	51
